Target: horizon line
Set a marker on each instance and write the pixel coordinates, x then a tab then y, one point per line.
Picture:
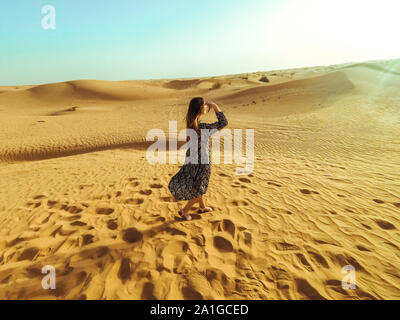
210	76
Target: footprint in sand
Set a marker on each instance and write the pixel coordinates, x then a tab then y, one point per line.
39	197
274	184
55	204
33	205
64	206
306	191
240	203
156	186
396	204
87	239
125	270
361	248
15	241
168	199
222	244
228	233
248	238
134	182
132	235
318	259
304	288
378	201
73	209
112	224
190	293
134	201
104	211
228	226
224	225
51	203
78	224
146	192
148	292
245	180
304	262
385	225
28	254
336	285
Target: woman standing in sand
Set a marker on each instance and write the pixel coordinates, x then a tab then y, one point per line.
191	182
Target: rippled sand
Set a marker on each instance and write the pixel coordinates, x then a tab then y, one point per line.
76	191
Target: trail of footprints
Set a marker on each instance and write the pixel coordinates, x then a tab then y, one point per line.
74	214
244	181
68	220
241	183
311	261
76	209
226	238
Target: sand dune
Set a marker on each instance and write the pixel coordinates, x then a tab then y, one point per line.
76	191
306	94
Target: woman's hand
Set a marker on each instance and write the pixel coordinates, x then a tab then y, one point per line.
214	106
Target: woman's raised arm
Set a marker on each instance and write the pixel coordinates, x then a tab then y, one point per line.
222	121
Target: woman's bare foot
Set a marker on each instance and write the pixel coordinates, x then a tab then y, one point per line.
185	215
205	209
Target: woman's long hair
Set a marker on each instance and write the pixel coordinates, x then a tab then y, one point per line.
193	112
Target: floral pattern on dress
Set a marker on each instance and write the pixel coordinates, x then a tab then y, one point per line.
192	179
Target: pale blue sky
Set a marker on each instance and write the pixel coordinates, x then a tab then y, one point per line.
132	39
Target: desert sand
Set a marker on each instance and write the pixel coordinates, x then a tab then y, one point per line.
77	193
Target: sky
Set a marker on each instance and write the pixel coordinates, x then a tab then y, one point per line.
149	39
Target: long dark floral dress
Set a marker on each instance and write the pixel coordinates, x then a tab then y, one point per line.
192	179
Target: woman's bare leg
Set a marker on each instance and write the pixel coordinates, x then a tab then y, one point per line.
188	206
201	201
203	207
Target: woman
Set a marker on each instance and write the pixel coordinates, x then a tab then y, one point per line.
191	182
